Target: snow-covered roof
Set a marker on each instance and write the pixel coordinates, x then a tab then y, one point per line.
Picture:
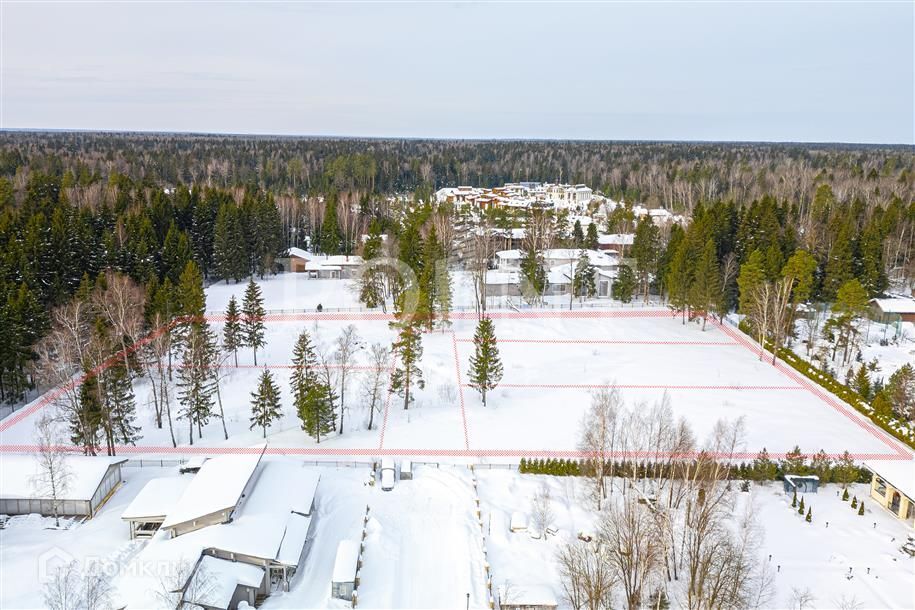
596	257
896	305
19	474
267	526
527	595
218	486
616	239
323	261
345	563
218	580
898	473
157	498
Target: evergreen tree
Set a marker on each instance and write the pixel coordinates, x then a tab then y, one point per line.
252	320
533	274
578	235
583	284
441	305
752	275
408	349
312	398
809	516
265	403
196	386
331	240
679	279
624	283
861	508
121	403
591	237
764	469
86	420
705	290
646	251
232	334
228	245
485	364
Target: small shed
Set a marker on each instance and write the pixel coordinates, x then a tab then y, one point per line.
527	597
893	309
406	470
343	582
802	484
91	480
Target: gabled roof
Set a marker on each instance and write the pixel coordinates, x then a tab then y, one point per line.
218	486
157	499
896	305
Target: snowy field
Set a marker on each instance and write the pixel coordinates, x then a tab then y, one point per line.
553	361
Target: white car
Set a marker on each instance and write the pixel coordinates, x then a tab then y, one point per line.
387	474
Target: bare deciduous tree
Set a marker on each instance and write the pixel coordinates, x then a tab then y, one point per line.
375	380
73	588
348	344
599	437
542	510
52	478
587	580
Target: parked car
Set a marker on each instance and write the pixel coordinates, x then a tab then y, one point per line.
387	474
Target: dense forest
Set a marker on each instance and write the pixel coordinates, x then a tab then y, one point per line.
159	210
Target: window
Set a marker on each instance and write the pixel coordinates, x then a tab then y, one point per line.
880	486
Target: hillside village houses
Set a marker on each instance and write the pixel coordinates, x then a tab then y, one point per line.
519	195
505	278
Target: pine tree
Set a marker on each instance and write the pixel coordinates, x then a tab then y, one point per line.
313	398
122	404
408	349
331	239
705	290
578	235
624	283
86	420
591	237
854	501
861	508
583	284
764	469
533	274
441	305
252	320
646	250
228	244
801	507
794	500
196	386
265	403
845	495
809	516
232	335
679	278
485	364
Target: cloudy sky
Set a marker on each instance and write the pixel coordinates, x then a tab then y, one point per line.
677	71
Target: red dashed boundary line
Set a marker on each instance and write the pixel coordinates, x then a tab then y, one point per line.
457	371
609	342
898	450
737	336
637	386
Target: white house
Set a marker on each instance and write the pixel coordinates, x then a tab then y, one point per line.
505	278
323	266
239	530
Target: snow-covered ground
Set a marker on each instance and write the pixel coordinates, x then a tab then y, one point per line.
811	556
553	360
423	548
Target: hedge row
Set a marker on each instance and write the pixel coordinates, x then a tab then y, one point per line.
758	470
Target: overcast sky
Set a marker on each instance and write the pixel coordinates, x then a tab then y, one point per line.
683	71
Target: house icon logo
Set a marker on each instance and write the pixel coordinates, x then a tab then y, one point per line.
51	561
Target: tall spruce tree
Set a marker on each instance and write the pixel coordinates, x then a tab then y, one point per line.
312	398
265	403
485	364
196	380
232	334
122	404
408	350
705	291
646	252
252	320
